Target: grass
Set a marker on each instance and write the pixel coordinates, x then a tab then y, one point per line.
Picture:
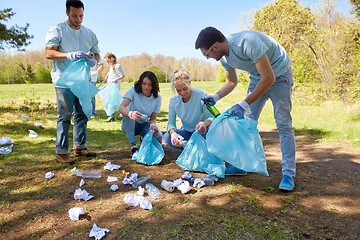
28	199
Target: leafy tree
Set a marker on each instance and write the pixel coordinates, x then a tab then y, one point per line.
356	7
15	36
159	73
220	76
42	73
27	73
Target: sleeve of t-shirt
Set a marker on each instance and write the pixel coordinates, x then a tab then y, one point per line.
130	94
224	64
53	37
119	70
254	48
171	118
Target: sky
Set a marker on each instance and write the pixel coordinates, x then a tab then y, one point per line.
130	27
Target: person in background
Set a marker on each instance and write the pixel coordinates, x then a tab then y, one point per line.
187	104
94	73
115	74
66	42
271	77
140	107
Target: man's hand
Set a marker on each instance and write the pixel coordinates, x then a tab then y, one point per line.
212	98
92	62
239	109
155	129
74	56
201	127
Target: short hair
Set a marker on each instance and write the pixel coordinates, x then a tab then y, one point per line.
111	57
207	37
154	83
180	75
74	4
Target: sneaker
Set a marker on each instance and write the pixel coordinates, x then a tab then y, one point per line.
287	183
119	117
84	152
92	117
64	158
133	150
231	170
110	119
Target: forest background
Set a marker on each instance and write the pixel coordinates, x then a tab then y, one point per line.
323	44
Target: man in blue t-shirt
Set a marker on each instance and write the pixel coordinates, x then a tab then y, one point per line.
70	41
271	77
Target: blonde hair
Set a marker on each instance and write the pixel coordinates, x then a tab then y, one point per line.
180	75
111	57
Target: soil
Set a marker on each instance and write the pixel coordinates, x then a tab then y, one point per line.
325	203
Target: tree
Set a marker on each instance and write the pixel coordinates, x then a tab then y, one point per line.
356	7
15	36
220	76
160	75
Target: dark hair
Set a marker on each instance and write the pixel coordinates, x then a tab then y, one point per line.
154	83
74	4
207	37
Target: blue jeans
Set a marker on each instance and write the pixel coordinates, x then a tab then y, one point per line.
280	95
185	134
132	128
67	103
93	102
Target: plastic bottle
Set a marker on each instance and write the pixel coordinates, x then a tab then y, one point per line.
210	180
212	109
144	118
184	142
91	174
140	181
153	191
167	185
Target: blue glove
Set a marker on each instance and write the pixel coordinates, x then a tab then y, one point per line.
239	109
212	98
74	56
92	62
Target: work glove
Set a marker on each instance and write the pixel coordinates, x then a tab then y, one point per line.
201	127
74	56
92	62
212	98
239	109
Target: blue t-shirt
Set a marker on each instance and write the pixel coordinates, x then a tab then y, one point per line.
143	104
69	40
190	113
247	47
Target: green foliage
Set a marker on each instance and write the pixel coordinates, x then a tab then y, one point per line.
27	73
42	74
356	7
220	76
15	36
159	73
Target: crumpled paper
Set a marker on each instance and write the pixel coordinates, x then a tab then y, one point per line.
131	179
82	194
198	183
109	166
82	182
49	175
114	187
75	212
97	232
6	141
112	179
184	187
141	191
37	124
177	182
134	201
186	175
32	134
6	150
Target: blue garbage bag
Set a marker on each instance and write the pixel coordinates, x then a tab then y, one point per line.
150	152
195	157
237	141
111	97
76	78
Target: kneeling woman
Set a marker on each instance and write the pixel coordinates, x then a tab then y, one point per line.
188	106
140	100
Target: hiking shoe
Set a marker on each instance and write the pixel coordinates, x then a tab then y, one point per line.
287	183
231	170
110	119
84	152
133	150
64	158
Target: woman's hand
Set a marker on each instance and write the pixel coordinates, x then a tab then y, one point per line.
201	127
155	129
135	115
176	139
